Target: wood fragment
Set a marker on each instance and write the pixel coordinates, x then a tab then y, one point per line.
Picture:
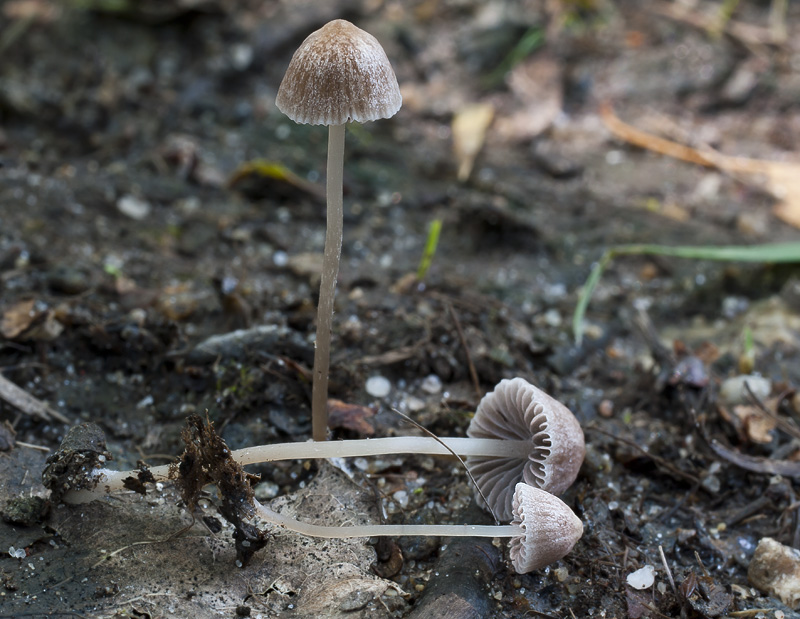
465	569
24	401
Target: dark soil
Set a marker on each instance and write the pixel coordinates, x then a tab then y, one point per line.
135	240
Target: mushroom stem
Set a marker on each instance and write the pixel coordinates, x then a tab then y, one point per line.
109	480
386	530
327	286
384	446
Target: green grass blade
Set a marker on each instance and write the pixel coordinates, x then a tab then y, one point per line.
770	253
431	243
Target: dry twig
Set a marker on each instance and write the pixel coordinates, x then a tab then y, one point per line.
24	401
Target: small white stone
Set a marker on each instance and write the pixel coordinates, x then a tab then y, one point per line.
401	496
145	402
642	578
414	404
431	384
266	490
133	207
280	258
378	386
552	318
733	391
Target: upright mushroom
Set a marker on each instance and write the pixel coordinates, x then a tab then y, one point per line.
338	74
518	411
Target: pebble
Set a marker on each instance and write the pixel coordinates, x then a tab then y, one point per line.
414	404
133	207
431	384
401	496
775	570
378	386
552	318
266	490
733	389
605	408
642	578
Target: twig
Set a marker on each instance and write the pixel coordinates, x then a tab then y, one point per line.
472	372
660	462
32	446
669	571
24	401
464	464
755	38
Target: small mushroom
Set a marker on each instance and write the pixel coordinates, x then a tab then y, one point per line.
543	531
516	410
550	529
338	74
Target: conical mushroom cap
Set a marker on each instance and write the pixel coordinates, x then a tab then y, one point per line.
517	410
338	74
550	529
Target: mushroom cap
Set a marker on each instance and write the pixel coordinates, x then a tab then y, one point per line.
338	74
550	529
517	410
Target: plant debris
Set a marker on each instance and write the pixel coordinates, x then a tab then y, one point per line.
207	460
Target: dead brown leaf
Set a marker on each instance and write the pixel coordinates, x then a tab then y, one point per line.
27	321
755	425
17	318
346	416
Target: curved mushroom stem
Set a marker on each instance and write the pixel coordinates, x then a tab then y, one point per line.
386	530
108	480
327	286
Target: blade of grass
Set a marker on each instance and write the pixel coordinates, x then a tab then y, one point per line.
769	253
431	243
528	43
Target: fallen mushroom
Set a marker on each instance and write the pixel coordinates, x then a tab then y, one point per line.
518	411
338	74
101	480
518	433
544	529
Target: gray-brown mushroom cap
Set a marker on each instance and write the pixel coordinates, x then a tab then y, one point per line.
550	529
339	74
516	410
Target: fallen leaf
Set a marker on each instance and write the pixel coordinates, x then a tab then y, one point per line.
469	132
17	318
754	423
345	416
28	321
269	177
784	182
